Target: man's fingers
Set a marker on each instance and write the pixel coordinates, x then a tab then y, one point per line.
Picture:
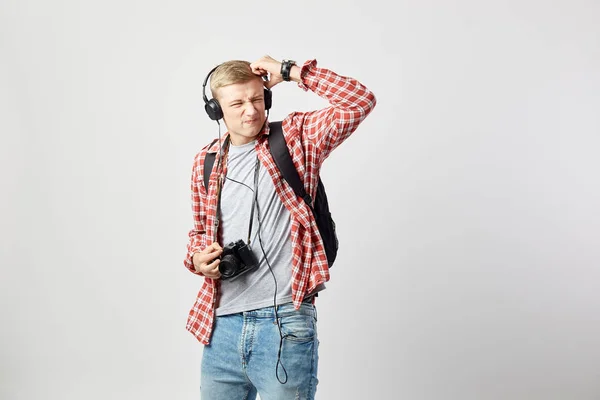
206	250
207	261
213	264
213	272
213	255
213	247
256	68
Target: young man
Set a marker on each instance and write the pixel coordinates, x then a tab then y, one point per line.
259	326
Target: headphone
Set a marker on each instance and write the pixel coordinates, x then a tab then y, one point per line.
212	106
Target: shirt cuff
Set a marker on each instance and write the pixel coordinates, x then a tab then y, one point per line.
307	70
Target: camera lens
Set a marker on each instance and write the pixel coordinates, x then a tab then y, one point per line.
229	265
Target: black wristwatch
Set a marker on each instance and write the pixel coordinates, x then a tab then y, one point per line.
286	67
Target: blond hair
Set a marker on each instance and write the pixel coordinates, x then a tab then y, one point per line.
230	72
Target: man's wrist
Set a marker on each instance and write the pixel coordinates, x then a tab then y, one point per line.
295	74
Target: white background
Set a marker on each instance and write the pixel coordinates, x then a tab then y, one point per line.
467	203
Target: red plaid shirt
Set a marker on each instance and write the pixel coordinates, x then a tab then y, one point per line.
310	136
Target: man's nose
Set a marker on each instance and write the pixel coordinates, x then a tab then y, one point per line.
249	107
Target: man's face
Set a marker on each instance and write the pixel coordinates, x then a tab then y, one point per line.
243	106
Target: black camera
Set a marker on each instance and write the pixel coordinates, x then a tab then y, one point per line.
237	258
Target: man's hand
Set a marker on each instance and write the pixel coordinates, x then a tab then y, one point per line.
205	263
268	65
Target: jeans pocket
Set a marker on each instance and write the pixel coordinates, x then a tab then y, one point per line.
298	328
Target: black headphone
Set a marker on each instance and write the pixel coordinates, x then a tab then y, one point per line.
212	107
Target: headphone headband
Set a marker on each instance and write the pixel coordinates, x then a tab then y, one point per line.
205	82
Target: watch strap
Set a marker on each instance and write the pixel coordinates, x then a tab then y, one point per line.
286	67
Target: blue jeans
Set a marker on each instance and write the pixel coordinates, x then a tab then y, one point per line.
242	357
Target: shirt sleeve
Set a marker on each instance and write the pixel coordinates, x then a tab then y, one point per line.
350	103
197	235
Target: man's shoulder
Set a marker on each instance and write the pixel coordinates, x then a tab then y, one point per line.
291	125
210	147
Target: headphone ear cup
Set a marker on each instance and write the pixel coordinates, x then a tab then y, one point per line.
268	99
213	109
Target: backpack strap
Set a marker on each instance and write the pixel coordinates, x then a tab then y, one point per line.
209	161
284	162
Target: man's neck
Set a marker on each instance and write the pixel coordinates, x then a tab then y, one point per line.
240	141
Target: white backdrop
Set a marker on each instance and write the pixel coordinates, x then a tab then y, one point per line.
467	203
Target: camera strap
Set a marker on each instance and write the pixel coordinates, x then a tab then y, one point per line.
221	178
254	198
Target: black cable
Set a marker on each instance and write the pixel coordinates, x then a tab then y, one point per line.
241	183
220	149
281	336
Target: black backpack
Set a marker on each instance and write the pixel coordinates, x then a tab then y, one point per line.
283	160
